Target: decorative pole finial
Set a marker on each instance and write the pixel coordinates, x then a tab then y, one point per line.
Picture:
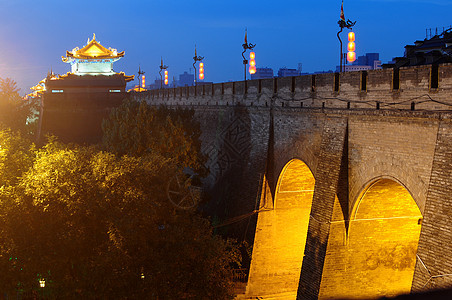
342	11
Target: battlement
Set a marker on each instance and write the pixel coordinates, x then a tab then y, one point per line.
425	87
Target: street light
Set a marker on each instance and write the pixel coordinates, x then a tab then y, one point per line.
42	284
345	24
197	58
140	74
246	46
162	67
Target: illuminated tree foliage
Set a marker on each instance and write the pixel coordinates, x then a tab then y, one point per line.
98	225
135	128
15	112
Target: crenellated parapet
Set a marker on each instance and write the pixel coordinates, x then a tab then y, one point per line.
411	88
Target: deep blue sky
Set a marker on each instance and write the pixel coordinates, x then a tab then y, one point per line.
35	34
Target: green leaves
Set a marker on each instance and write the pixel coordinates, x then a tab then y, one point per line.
93	221
138	129
15	112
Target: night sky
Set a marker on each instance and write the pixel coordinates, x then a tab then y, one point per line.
35	34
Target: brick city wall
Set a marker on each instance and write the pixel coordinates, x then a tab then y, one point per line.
351	130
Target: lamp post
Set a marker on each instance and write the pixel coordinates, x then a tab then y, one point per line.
343	24
42	284
140	75
196	59
246	46
162	67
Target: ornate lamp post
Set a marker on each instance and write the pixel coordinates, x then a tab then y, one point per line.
196	59
162	67
42	285
343	24
140	76
246	46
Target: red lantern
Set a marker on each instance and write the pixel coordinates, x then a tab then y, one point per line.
252	68
351	56
201	71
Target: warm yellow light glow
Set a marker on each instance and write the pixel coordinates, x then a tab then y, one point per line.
378	256
201	76
351	36
252	69
351	56
94	51
252	55
281	236
201	65
351	46
252	63
143	81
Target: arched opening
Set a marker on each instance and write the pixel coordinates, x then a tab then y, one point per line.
379	253
281	235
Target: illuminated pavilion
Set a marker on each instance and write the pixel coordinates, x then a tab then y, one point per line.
73	105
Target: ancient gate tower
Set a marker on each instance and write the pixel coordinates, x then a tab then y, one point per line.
73	105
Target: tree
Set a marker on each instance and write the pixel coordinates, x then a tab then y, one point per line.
15	112
93	224
136	128
16	156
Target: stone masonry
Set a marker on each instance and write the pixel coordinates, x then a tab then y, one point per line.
351	130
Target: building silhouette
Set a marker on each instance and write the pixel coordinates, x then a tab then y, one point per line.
262	73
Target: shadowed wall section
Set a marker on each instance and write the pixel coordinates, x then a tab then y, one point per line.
378	256
281	235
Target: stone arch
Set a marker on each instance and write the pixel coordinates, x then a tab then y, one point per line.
281	235
379	253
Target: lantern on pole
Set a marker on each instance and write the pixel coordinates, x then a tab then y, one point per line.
143	81
351	56
166	77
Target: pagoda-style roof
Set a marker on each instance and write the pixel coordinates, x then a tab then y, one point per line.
92	50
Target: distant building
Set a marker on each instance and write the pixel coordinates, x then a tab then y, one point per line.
285	72
353	68
186	79
157	84
369	61
262	73
436	49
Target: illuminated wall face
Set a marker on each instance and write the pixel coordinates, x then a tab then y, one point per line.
377	257
281	235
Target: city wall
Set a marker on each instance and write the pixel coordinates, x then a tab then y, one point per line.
349	175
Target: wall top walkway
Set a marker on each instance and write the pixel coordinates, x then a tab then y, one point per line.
414	88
